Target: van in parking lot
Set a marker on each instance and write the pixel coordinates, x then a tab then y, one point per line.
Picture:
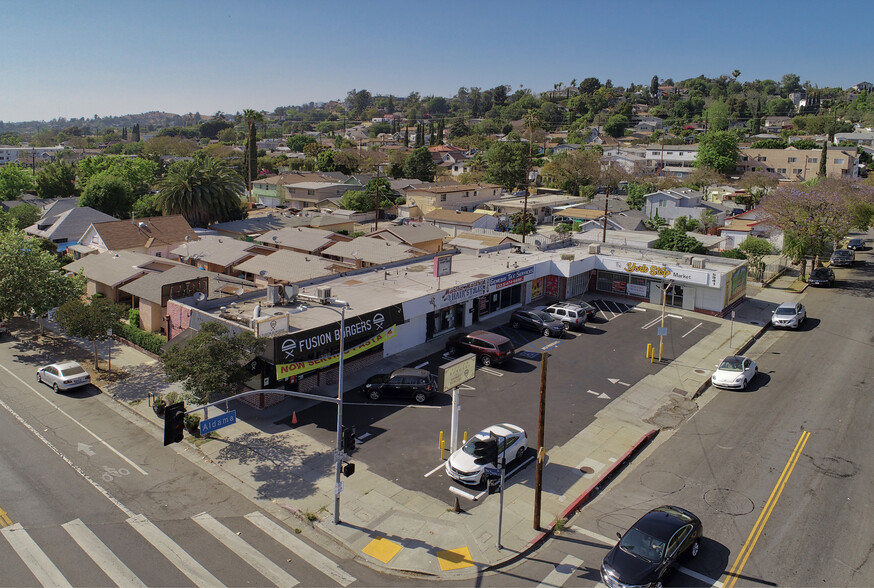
489	348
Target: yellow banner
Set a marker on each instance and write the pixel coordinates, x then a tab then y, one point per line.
284	370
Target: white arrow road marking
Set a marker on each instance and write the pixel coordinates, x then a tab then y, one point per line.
561	573
615	381
86	449
598	394
466	387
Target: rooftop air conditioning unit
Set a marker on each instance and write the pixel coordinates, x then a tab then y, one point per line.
274	296
698	262
687	260
594	249
324	294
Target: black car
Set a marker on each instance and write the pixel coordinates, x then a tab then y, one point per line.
652	547
405	383
822	276
855	244
537	320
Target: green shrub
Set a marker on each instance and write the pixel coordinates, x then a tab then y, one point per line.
148	341
133	316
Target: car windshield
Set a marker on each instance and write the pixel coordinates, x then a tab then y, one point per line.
841	254
73	370
470	445
641	545
732	364
541	315
819	273
785	310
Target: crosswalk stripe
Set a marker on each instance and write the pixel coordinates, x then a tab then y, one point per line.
301	549
561	573
175	554
249	554
33	557
101	555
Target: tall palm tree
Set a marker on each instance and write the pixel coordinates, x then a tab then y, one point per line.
573	84
252	118
203	190
532	120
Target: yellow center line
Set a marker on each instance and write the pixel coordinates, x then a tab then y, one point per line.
747	548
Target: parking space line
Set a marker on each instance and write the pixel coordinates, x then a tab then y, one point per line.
421	365
651	323
551	345
692	329
490	371
435	469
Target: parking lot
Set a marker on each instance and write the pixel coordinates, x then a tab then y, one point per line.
586	370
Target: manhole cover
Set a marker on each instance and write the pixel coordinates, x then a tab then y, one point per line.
728	501
700	371
587	470
666	482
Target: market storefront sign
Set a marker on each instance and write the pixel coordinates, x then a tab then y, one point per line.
661	271
292	369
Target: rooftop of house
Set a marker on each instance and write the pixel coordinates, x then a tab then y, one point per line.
222	251
71	223
303	238
118	268
287	266
412	234
373	251
447	188
455	216
154	231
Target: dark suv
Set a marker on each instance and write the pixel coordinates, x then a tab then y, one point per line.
537	320
488	347
405	382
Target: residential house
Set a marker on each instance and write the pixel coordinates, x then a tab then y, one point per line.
775	124
798	164
452	196
270	191
217	254
541	206
285	267
106	272
648	124
858	136
156	235
64	225
671	204
863	87
35	200
752	223
307	194
455	221
367	252
248	228
673	157
426	237
470	242
301	239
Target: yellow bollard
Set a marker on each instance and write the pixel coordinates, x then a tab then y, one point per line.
440	440
648	349
464	438
442	449
652	356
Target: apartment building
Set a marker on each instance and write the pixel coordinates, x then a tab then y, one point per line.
464	197
799	164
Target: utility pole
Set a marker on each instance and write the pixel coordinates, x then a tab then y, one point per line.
541	450
606	201
376	219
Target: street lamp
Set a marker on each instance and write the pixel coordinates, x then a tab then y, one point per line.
664	303
339	453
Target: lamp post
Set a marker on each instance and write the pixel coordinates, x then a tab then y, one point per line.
339	453
664	303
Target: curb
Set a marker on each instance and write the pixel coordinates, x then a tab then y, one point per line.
580	501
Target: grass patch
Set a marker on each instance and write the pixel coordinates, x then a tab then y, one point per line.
135	402
198	441
797	286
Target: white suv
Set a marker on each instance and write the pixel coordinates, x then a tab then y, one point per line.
572	315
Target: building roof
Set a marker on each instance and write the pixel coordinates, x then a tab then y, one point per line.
446	188
222	251
287	266
413	234
294	178
303	238
154	231
328	220
374	251
260	224
70	224
454	216
117	268
469	240
148	287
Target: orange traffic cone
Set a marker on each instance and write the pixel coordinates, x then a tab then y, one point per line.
293	418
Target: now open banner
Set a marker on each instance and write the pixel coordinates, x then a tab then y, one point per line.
285	370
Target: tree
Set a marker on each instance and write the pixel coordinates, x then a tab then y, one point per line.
718	149
135	133
507	164
522	229
396	161
90	321
571	170
252	118
717	115
791	83
109	194
203	190
22	215
654	86
755	250
145	206
702	177
366	200
771	144
211	128
137	172
296	143
563	229
823	158
756	185
212	364
616	125
15	181
31	280
419	165
635	194
56	180
676	239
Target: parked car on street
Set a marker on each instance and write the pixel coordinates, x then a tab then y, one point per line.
855	244
403	383
512	443
822	276
652	547
572	315
789	314
3	327
843	258
63	376
489	348
537	320
735	372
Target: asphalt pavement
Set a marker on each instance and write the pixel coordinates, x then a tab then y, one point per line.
394	529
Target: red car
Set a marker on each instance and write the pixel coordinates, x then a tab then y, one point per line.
489	348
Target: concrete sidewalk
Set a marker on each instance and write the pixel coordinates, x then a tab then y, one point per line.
394	529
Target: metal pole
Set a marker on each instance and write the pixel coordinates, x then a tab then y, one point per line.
538	482
339	456
501	506
664	303
453	431
731	330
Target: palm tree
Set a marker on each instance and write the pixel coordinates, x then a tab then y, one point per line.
532	120
252	117
203	190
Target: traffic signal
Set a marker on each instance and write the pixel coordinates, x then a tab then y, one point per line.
174	423
348	469
348	440
486	451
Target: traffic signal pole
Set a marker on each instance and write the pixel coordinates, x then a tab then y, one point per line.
541	451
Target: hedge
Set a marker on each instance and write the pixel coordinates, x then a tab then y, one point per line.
133	317
148	341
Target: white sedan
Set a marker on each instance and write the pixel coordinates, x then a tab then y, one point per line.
63	376
512	443
735	371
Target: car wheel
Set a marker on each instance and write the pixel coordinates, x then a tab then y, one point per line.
515	324
55	387
374	394
520	453
547	332
38	378
695	548
485	360
420	397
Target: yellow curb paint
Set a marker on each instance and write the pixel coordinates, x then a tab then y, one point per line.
454	559
382	549
5	521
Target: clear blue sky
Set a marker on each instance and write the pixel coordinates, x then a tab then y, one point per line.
73	59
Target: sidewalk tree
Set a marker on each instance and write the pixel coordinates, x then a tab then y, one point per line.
90	321
213	363
31	280
755	249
